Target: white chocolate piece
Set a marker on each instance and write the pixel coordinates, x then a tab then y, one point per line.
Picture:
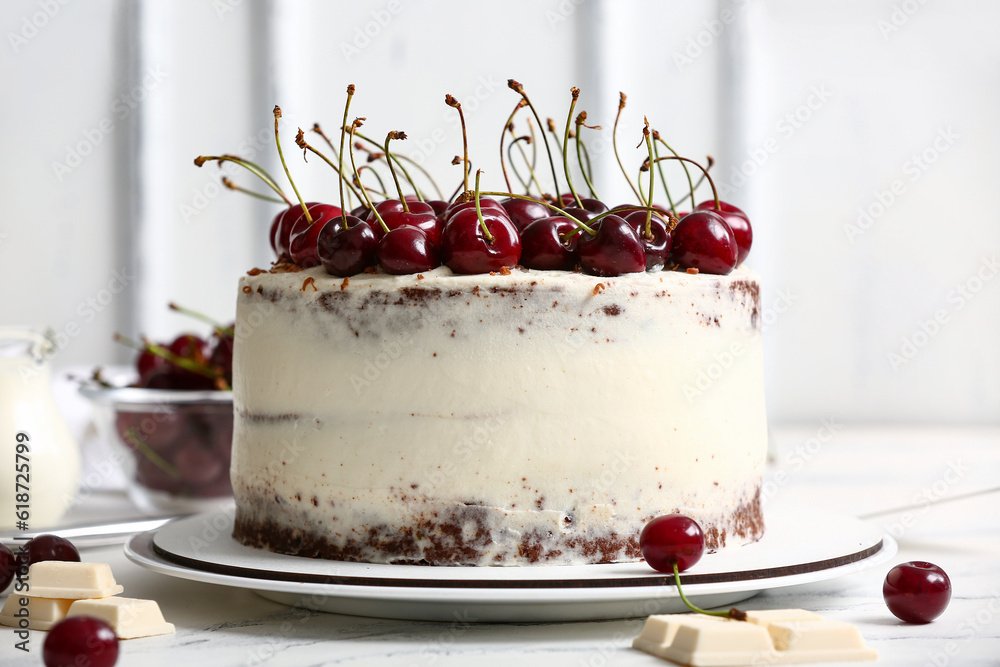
128	617
74	581
773	637
37	613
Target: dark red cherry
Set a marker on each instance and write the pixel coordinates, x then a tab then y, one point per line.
427	222
406	250
594	206
543	247
396	206
303	240
616	249
80	640
737	221
198	465
147	362
669	539
656	243
361	212
8	567
189	346
465	248
221	358
485	203
702	240
917	591
283	226
347	252
438	206
580	214
523	212
51	547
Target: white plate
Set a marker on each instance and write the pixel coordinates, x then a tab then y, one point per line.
800	546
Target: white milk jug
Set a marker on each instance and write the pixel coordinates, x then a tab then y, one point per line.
39	460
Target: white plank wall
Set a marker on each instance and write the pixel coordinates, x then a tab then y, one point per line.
814	113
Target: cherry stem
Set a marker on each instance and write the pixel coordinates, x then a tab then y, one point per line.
663	178
579	223
649	212
364	193
509	125
395	134
340	153
232	186
305	209
254	169
510	156
715	193
581	150
147	451
656	137
301	142
734	613
318	130
217	327
455	104
575	92
529	163
708	167
397	159
160	351
614	144
383	192
479	212
518	88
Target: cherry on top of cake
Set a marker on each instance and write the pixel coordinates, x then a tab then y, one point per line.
472	232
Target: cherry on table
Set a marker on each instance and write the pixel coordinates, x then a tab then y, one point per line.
51	547
8	567
702	240
614	250
917	591
669	539
80	640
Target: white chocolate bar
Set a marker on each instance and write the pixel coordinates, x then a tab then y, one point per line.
74	581
773	637
128	617
33	613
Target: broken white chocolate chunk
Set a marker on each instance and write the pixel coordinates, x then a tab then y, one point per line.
774	637
33	613
128	617
74	581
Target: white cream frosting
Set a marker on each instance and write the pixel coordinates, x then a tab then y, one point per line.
558	404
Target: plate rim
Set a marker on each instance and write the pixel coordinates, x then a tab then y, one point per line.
142	550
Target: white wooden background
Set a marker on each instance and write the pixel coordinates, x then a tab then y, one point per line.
861	137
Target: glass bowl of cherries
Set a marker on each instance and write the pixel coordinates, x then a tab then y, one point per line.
172	428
